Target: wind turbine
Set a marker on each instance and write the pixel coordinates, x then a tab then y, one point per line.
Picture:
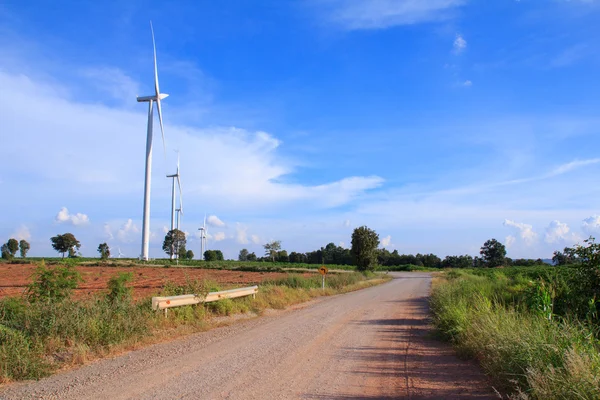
173	209
155	98
120	254
203	231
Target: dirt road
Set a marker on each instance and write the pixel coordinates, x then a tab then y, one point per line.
370	344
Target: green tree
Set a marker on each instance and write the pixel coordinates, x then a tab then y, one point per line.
182	253
5	252
174	240
24	247
252	257
104	250
13	246
243	256
282	256
364	248
210	255
493	253
219	255
189	255
65	243
272	248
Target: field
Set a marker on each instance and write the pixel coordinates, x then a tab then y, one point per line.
147	280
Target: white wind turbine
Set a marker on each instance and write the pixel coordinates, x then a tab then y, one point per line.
203	233
173	209
155	98
120	254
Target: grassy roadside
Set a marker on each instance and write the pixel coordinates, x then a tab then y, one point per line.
506	323
39	338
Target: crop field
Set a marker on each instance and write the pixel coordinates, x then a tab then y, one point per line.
147	280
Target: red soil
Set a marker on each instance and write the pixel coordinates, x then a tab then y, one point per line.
147	281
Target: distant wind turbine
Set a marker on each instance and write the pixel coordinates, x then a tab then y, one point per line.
203	232
120	254
173	209
155	98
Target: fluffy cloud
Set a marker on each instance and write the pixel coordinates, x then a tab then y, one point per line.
386	241
128	232
510	240
108	231
219	236
22	233
460	44
241	233
559	232
213	220
347	223
591	224
255	239
64	216
525	231
467	83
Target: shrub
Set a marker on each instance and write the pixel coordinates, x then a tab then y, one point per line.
118	289
51	284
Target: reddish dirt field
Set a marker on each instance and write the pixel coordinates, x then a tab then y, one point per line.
147	281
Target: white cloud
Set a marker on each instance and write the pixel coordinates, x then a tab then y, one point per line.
559	232
510	240
129	232
112	81
241	234
564	168
525	231
22	233
378	14
467	83
342	244
63	216
219	236
165	229
460	44
213	220
255	239
108	231
591	225
347	223
386	241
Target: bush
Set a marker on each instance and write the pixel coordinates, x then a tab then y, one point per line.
52	284
118	289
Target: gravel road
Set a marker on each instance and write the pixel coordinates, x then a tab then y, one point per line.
369	344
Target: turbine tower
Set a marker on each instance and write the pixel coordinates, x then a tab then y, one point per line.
173	209
120	254
203	233
155	98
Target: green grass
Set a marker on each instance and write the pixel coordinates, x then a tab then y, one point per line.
36	339
494	317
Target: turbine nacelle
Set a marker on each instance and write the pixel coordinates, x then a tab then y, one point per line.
142	99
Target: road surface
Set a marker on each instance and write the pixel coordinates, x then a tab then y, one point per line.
369	344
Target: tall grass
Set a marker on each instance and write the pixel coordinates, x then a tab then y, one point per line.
527	354
36	339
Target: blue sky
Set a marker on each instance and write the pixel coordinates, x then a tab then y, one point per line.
440	123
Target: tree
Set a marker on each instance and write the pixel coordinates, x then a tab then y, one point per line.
282	256
252	257
104	250
243	256
210	255
5	252
24	247
174	240
182	252
272	248
219	255
364	248
493	253
65	243
189	255
13	246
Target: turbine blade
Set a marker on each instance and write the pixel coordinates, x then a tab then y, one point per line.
162	129
180	195
155	67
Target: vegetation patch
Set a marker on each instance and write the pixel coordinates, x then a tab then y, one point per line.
534	330
47	329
